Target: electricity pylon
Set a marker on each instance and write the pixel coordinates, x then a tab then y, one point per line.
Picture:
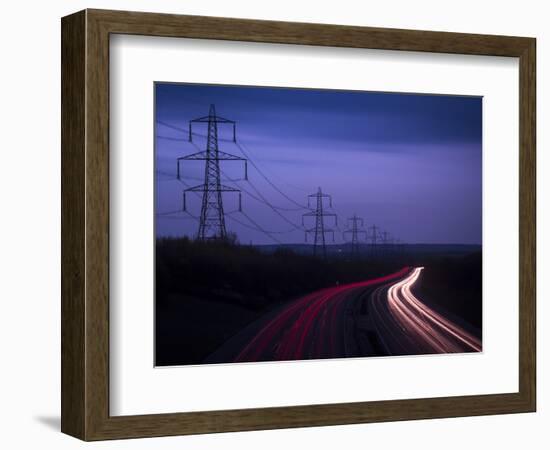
319	230
373	238
355	225
212	218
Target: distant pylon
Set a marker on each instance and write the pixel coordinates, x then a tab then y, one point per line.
319	230
355	225
212	218
373	236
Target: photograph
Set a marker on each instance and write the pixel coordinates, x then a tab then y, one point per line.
297	223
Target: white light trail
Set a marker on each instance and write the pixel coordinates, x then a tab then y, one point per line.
423	322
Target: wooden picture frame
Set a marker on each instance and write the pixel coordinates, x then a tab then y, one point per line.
85	224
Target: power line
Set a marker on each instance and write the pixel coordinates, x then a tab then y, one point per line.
241	144
283	181
187	133
260	228
260	197
173	127
254	164
168	138
212	139
256	226
188	177
222	139
176	218
246	155
167	213
272	207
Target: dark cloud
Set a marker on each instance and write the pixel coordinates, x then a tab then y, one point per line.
412	161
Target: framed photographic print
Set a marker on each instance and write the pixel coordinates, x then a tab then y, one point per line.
270	224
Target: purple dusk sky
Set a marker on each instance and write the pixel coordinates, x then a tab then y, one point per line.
411	164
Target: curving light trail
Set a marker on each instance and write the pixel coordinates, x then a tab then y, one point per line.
425	324
323	324
310	327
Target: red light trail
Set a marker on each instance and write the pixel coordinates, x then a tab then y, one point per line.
318	325
303	330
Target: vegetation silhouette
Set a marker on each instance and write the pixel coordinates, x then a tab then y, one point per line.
206	292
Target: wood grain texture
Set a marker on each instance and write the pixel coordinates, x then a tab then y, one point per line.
201	27
85	224
527	224
73	227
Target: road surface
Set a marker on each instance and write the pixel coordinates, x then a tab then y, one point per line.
375	317
405	325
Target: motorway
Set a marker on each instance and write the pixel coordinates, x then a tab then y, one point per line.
405	325
376	317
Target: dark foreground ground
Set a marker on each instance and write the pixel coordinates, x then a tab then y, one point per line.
208	294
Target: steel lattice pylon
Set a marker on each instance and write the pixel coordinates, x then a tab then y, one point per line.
373	236
319	230
355	225
212	218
